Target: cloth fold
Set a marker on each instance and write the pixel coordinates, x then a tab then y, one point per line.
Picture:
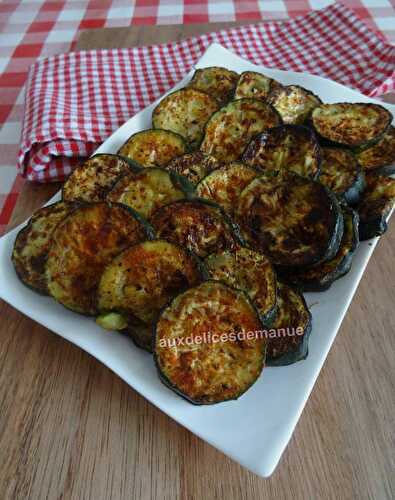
74	101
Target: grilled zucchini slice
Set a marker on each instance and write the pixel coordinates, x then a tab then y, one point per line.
294	103
91	181
225	184
288	147
194	166
249	271
351	124
320	277
341	173
206	347
147	190
153	147
142	279
289	334
380	157
82	245
375	205
32	244
231	128
185	112
199	225
217	82
295	221
255	85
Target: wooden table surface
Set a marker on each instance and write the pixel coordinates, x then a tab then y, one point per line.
71	429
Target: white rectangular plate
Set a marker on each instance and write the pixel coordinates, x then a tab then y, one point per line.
255	429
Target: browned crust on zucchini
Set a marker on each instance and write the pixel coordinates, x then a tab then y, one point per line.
194	166
294	103
255	85
216	81
380	157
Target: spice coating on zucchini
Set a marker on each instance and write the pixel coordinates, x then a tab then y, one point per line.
185	112
91	180
194	166
294	103
251	272
381	156
198	225
153	147
293	220
289	335
231	128
32	244
350	124
82	245
256	85
146	191
193	356
341	173
144	277
375	205
225	184
215	81
288	147
320	277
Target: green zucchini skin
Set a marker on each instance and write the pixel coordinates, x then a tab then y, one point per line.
346	130
338	162
216	81
193	166
313	233
291	302
375	206
153	147
294	103
231	128
33	242
280	148
91	181
251	272
241	315
380	158
185	112
197	224
321	277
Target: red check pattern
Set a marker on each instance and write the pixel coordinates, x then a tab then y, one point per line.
40	28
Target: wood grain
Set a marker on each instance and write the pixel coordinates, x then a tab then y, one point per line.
71	429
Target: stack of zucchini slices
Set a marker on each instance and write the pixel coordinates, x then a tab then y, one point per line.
199	236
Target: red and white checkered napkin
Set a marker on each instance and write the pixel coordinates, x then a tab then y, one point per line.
75	101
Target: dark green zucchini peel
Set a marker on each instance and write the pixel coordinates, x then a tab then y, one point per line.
289	335
208	346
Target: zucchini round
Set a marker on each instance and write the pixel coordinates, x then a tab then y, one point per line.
255	85
320	277
32	244
217	82
193	166
147	190
341	173
294	103
153	147
251	272
91	181
206	347
375	205
351	124
288	147
289	335
230	129
82	245
199	225
142	279
185	112
380	157
295	221
224	185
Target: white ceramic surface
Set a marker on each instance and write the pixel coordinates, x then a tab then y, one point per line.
255	429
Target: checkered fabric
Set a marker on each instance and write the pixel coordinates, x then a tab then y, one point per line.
38	28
